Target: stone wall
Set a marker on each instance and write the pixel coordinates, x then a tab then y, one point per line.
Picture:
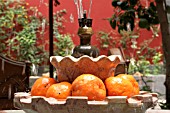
155	82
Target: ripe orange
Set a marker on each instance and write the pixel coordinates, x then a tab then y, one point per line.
41	86
132	80
117	86
90	86
59	91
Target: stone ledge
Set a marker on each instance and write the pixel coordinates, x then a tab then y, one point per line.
157	111
75	104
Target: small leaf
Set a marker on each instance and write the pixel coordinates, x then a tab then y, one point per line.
119	3
143	23
120	28
155	20
133	2
114	3
152	5
113	23
124	5
149	81
134	36
105	45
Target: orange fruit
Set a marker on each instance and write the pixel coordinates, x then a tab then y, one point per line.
59	91
41	86
90	86
117	86
133	81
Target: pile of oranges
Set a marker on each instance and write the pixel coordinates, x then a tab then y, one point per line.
86	85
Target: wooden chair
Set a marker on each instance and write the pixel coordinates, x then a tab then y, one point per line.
14	77
121	68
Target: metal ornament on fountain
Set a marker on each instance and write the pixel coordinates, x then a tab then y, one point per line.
85	32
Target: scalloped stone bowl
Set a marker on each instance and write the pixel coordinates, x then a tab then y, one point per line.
68	68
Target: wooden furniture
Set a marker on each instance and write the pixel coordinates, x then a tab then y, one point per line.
14	77
121	67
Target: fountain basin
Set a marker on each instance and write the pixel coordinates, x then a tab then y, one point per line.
68	68
76	104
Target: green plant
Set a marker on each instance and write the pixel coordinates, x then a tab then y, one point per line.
20	30
129	17
164	105
140	55
141	66
157	64
128	11
63	45
145	66
105	39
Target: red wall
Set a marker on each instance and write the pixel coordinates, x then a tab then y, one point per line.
100	10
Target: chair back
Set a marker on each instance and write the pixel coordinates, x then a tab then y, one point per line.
14	77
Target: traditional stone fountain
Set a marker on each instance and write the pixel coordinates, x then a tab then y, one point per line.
85	59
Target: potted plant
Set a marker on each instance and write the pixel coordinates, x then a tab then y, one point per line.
21	30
